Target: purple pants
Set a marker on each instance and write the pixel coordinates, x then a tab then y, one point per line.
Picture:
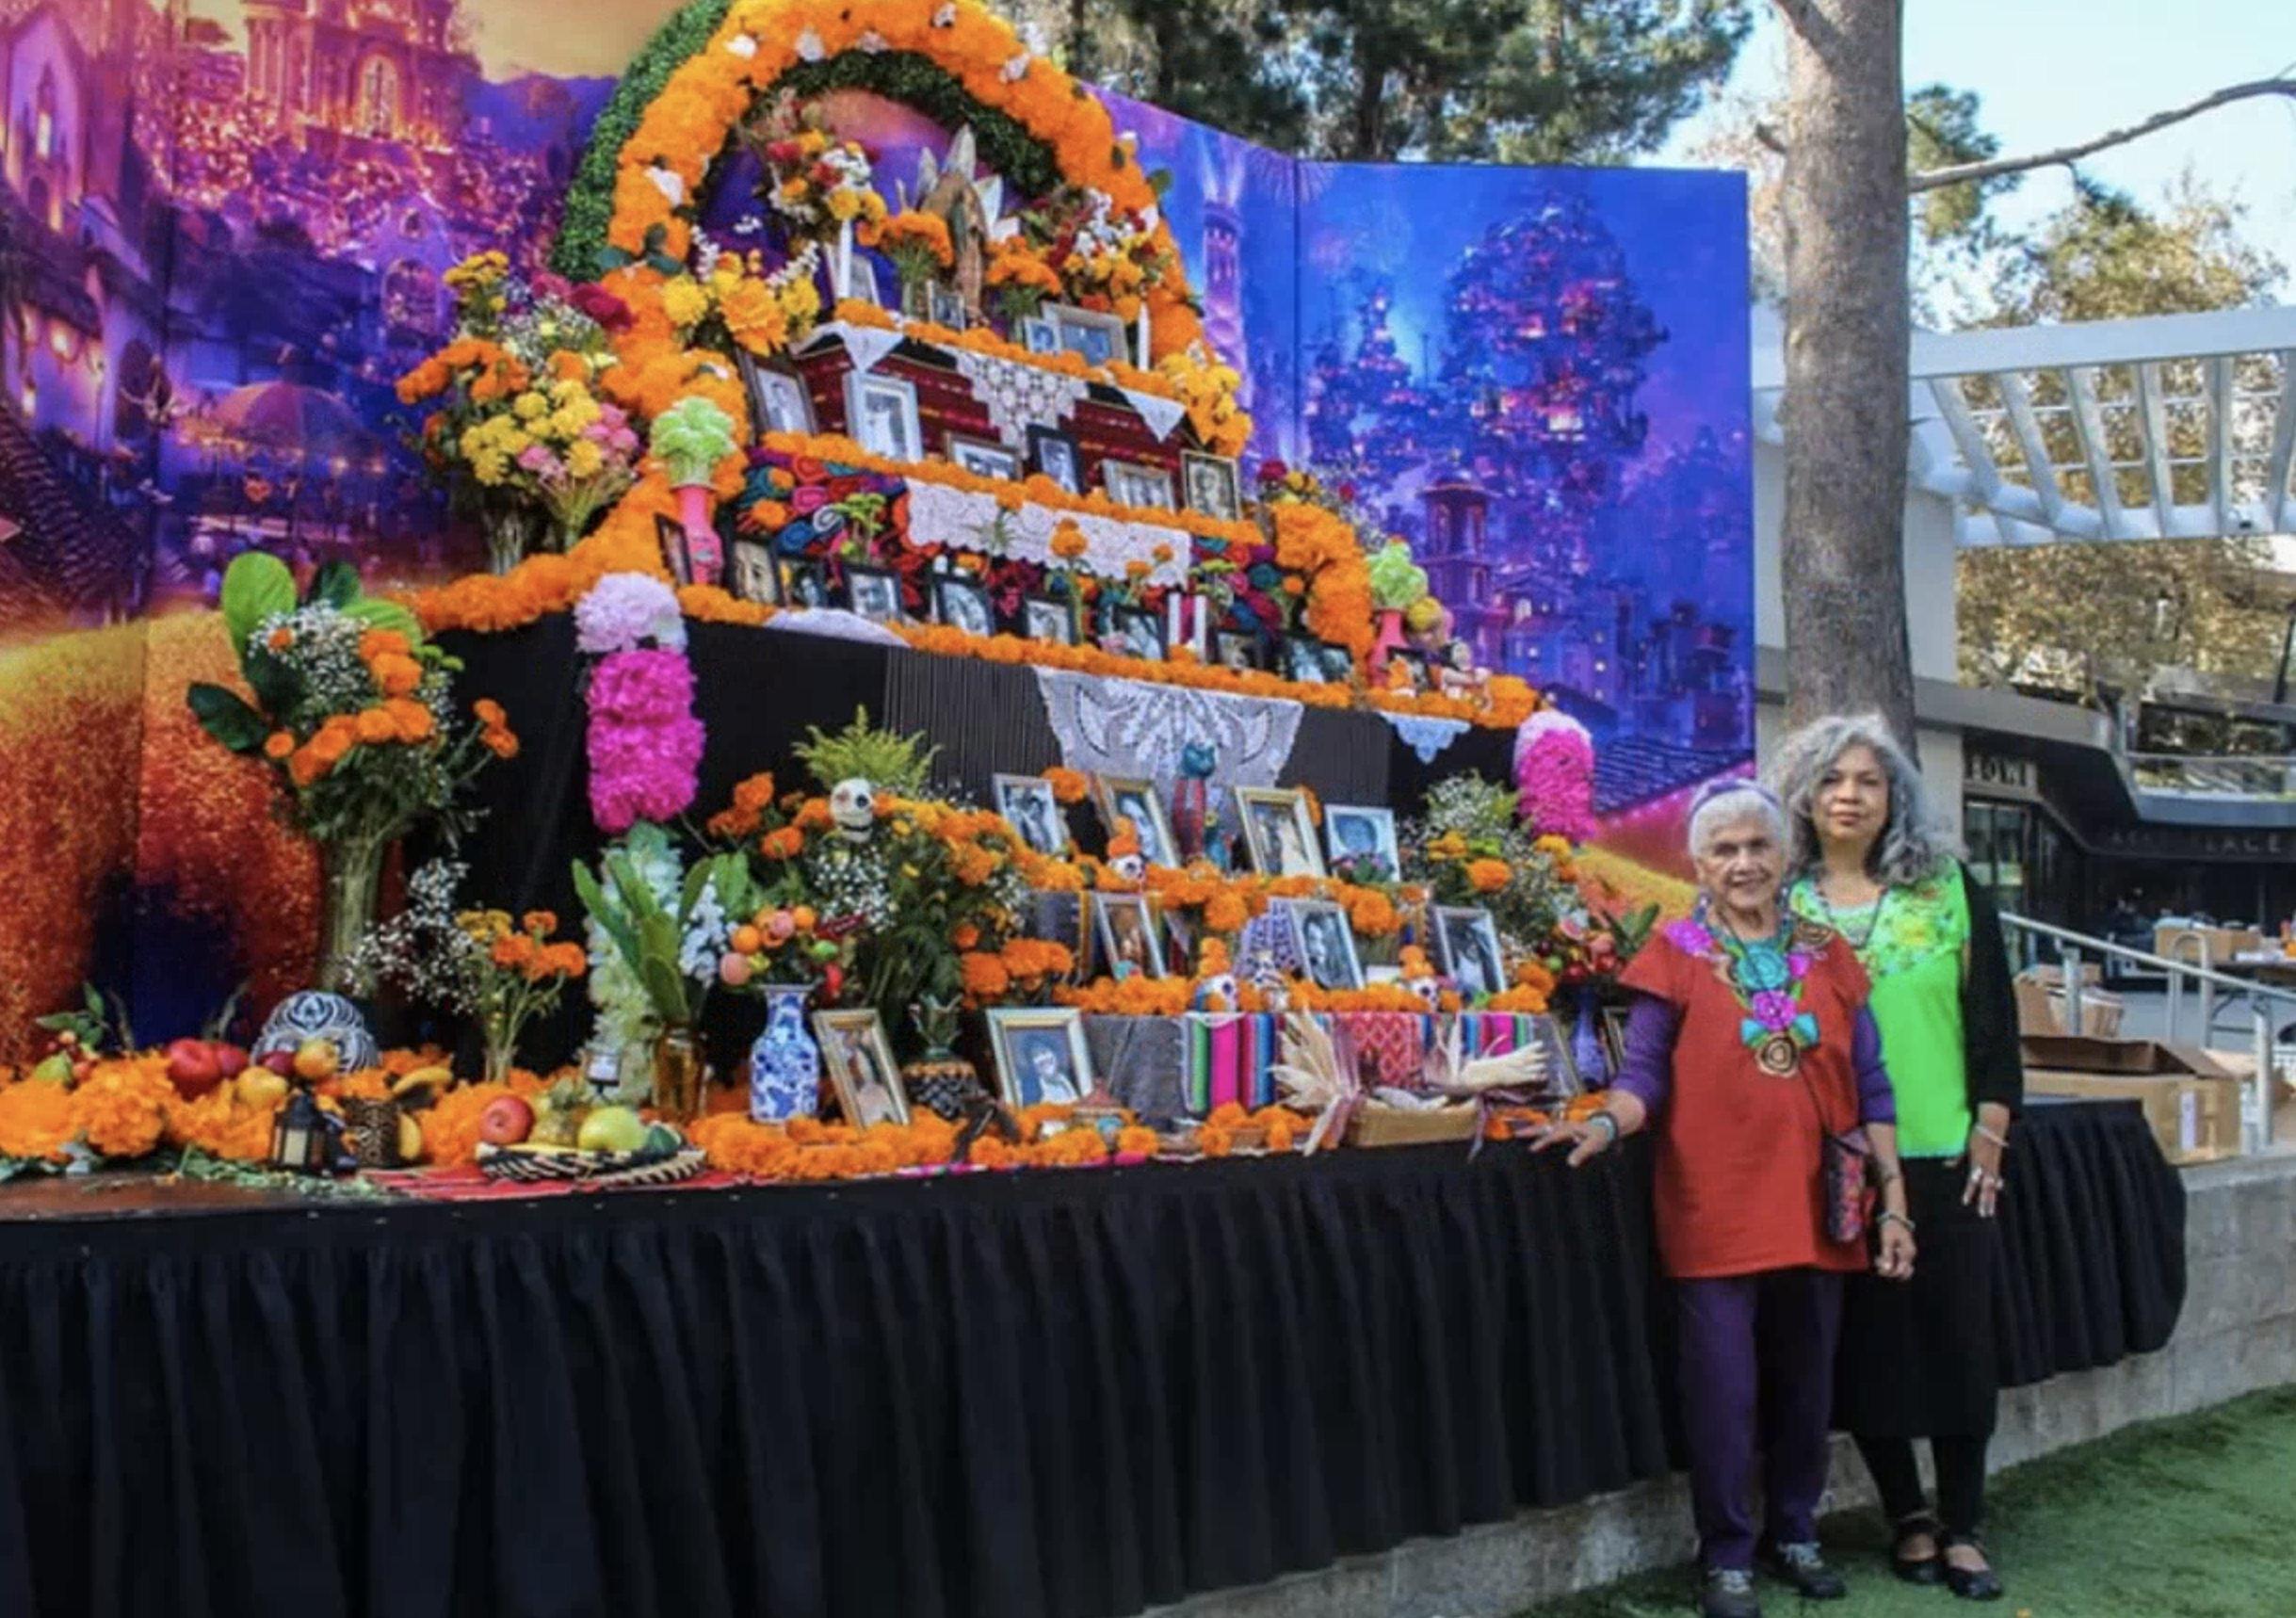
1757	1373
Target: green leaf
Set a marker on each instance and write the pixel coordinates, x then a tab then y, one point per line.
255	587
336	584
378	613
226	716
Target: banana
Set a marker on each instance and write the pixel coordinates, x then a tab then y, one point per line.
431	1078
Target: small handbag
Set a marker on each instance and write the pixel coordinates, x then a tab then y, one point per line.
1845	1163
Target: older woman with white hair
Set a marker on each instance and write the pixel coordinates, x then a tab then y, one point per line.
1750	1052
1872	860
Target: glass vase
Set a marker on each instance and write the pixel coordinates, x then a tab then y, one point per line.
681	1081
510	531
353	870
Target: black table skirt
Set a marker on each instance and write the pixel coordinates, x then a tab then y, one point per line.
1056	1395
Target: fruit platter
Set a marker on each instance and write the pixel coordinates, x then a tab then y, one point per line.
560	1135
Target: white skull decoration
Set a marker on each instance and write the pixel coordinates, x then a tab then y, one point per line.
852	804
1428	989
1219	990
1132	868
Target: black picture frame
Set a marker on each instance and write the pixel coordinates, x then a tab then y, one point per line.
804	584
1132	622
1054	454
1039	613
857	577
948	588
1057	918
1250	643
772	402
678	554
1306	661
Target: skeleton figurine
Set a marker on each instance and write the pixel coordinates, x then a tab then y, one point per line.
853	804
1215	988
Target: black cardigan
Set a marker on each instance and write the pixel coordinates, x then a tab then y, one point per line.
1993	1061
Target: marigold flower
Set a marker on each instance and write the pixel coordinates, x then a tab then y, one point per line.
1490	876
278	745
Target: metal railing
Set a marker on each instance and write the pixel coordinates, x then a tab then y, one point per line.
2208	982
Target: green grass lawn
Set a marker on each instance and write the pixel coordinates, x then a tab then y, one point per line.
2194	1518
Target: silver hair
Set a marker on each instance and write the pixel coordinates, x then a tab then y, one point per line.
1721	803
1916	841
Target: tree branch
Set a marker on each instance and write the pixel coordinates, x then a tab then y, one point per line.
1961	174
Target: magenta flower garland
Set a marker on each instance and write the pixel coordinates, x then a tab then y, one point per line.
645	744
1554	770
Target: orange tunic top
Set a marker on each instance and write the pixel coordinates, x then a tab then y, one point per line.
1739	1186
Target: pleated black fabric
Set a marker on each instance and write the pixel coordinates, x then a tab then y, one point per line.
1053	1395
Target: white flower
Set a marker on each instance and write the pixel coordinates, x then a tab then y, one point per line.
742	45
668	185
1017	68
872	41
810	48
945	17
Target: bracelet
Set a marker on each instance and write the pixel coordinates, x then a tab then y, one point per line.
1985	1134
1888	1216
1610	1120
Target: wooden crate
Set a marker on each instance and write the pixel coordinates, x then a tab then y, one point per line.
2196	1119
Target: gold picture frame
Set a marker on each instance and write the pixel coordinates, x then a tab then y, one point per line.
1122	797
1137	941
858	1056
1279	832
1041	1055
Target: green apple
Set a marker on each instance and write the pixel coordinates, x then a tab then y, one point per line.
612	1129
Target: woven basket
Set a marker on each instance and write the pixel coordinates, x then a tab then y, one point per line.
1396	1127
533	1165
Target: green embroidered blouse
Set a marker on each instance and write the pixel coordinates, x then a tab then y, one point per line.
1911	942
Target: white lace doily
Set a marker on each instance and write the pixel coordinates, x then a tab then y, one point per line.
1425	735
1131	728
940	515
1019	396
1160	414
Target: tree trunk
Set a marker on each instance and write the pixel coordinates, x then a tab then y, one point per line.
1846	328
1371	98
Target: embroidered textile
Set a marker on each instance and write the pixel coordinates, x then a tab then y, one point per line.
1425	735
1019	396
1130	729
942	514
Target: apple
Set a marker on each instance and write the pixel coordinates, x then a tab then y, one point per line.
279	1063
231	1060
507	1121
192	1068
317	1060
260	1086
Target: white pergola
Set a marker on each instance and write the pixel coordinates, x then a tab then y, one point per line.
2173	427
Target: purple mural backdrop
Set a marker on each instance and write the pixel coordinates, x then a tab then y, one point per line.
222	229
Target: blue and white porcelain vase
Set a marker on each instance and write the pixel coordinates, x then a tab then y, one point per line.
785	1063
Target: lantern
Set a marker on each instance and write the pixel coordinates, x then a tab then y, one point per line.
300	1139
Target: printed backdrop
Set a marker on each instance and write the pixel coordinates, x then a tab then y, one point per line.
225	225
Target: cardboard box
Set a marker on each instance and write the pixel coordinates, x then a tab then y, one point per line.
2077	1053
2221	943
2100	1013
2196	1120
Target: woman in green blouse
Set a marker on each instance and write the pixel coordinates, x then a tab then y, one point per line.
1872	860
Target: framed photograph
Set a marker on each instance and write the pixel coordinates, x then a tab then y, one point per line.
1146	487
1029	808
803	584
1279	833
1099	339
676	554
1362	842
945	305
874	594
1611	1029
962	602
1059	919
1125	928
752	572
1118	798
1039	335
1238	648
1467	948
983	459
881	415
1054	454
1214	487
779	401
861	1067
1326	943
1041	1055
860	283
1142	632
1045	617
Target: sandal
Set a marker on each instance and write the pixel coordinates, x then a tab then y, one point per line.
1925	1570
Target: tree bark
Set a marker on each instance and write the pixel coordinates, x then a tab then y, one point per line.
1847	329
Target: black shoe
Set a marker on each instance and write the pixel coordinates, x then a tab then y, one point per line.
1924	1570
1972	1584
1805	1570
1727	1593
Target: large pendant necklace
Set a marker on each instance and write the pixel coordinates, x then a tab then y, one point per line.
1767	975
1873	923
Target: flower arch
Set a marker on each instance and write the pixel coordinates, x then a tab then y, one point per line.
957	62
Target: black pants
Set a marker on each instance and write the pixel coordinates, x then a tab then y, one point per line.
1961	1481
